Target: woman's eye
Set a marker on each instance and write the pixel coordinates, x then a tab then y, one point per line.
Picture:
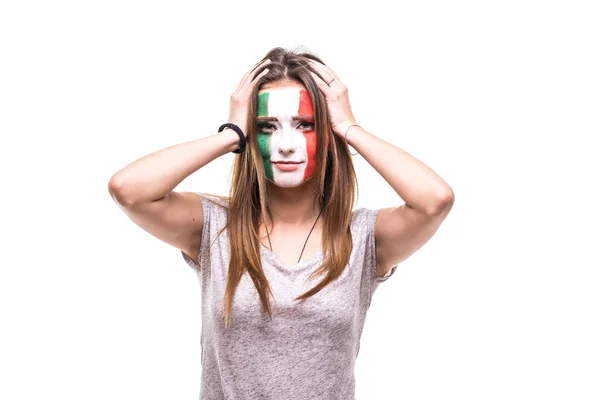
264	128
270	128
307	125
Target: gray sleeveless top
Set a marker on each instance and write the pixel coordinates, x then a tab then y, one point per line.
307	351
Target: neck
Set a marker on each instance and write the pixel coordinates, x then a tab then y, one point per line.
293	207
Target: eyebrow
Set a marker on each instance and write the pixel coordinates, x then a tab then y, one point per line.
296	118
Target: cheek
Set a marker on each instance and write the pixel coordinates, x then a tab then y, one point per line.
311	144
264	144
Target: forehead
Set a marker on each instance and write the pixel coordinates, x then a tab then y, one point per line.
284	101
281	84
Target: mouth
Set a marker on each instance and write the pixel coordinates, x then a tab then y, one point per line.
286	165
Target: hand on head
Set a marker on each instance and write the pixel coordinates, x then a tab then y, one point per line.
240	98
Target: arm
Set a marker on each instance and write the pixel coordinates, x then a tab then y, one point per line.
401	231
144	190
155	175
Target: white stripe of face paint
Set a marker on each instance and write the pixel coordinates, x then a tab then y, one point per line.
287	139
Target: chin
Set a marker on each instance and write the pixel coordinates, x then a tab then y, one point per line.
289	182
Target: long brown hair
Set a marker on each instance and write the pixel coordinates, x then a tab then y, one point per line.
335	182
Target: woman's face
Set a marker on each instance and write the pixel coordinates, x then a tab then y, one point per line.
286	133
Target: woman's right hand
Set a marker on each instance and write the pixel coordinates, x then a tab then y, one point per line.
240	99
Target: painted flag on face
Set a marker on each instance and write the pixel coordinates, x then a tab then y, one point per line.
285	104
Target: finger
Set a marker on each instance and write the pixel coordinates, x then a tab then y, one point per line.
247	76
259	62
321	84
258	76
328	70
319	68
252	75
262	62
325	71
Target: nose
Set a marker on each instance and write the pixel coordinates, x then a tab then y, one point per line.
287	143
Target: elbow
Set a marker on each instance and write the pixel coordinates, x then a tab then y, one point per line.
444	203
116	189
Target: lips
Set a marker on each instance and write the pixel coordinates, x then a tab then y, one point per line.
286	165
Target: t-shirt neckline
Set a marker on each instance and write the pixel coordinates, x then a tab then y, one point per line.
274	257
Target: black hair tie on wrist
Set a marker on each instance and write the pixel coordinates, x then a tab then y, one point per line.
236	128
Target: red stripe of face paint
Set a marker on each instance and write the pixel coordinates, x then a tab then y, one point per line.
311	150
305	108
305	105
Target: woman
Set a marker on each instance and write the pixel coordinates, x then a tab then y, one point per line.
286	289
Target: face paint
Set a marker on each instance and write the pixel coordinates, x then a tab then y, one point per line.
286	133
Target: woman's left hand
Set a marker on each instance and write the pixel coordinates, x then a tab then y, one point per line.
336	95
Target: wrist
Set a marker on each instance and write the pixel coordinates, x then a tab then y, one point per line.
342	128
232	138
240	125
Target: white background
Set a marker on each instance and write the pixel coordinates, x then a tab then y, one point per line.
501	99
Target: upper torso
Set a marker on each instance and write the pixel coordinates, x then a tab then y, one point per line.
307	350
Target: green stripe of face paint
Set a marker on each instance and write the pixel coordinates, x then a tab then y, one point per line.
264	141
263	101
